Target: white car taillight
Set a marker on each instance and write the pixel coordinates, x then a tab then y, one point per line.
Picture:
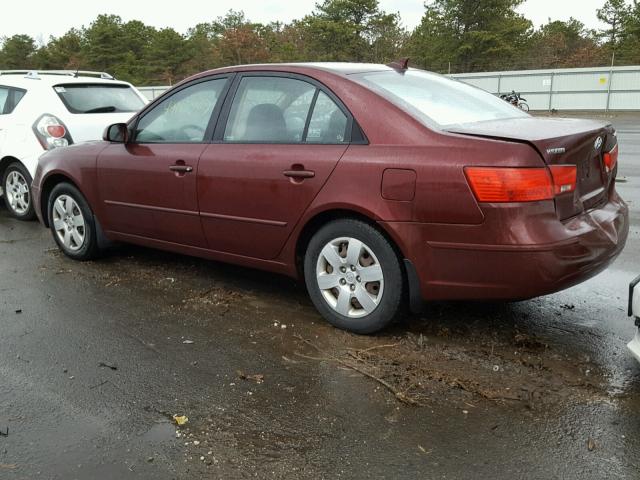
51	132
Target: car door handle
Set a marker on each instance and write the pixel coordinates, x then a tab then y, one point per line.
181	168
299	173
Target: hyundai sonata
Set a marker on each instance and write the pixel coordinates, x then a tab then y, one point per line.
380	186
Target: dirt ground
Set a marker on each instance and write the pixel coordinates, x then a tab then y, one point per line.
424	361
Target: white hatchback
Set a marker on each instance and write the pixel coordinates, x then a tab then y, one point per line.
42	110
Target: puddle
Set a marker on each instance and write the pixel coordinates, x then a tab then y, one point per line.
161	432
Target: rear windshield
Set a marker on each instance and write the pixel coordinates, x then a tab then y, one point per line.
99	98
438	100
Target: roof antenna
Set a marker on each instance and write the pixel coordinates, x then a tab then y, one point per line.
75	75
401	64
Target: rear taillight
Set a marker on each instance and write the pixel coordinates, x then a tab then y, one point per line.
56	131
611	159
499	184
564	178
51	132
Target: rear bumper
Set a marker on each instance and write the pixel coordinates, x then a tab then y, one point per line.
469	268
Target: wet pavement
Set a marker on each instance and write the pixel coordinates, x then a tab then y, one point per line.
96	358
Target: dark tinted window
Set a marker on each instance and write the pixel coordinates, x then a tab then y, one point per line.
99	98
183	117
269	109
9	99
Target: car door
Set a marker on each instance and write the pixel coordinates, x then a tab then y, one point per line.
278	140
148	185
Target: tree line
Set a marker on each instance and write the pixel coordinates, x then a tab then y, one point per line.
453	36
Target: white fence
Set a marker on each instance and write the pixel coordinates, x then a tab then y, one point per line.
152	92
604	89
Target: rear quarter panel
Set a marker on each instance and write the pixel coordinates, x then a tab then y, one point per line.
443	199
20	141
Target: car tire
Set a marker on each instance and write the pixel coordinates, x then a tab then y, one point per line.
354	276
72	223
16	185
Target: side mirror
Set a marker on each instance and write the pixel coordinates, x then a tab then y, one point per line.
117	133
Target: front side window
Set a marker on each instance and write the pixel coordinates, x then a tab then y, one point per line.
438	100
98	98
269	110
183	117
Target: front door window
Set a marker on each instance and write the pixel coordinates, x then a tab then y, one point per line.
183	117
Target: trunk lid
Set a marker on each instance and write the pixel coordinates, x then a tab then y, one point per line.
560	141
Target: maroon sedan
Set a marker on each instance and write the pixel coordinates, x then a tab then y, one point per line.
381	186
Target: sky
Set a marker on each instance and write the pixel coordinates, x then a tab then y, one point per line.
38	19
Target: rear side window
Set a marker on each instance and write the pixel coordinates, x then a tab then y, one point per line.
269	110
274	109
328	123
98	98
9	99
4	94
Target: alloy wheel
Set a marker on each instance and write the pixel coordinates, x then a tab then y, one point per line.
69	223
350	277
17	192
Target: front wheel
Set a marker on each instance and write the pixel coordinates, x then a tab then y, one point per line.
72	223
523	106
16	183
354	276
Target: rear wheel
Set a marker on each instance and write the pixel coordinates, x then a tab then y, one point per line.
16	183
354	276
72	223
